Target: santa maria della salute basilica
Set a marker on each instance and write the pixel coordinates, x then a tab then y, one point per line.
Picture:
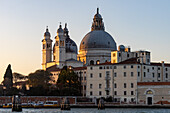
105	69
95	47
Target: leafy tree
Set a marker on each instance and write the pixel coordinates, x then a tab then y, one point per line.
18	77
68	82
8	78
40	78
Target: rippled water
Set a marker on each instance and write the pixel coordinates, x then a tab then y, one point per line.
90	110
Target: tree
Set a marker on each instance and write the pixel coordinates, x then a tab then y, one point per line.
8	78
68	82
40	78
18	77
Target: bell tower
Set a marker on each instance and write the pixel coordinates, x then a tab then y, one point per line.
60	49
46	49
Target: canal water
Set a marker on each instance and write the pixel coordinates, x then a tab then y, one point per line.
90	110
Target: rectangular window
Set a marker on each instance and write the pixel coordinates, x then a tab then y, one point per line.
124	92
166	69
91	93
91	68
115	67
131	85
119	54
115	74
166	75
84	87
91	86
158	68
132	99
115	92
100	93
131	66
115	85
125	99
153	75
138	74
124	74
152	68
148	70
100	75
84	78
91	75
132	93
144	67
124	67
100	86
131	74
144	74
124	85
100	67
159	75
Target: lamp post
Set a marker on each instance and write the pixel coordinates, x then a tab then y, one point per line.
4	90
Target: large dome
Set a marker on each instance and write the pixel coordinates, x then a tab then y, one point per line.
98	39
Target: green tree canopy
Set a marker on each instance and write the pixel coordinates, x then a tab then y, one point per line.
40	78
18	77
68	82
8	78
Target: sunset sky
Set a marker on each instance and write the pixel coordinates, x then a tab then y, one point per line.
140	24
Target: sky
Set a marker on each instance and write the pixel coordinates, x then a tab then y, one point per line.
140	24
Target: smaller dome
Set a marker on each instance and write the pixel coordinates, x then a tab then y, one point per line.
60	30
71	46
121	48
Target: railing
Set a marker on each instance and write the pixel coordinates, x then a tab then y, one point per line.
107	78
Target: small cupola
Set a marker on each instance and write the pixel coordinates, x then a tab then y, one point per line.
66	31
60	30
47	33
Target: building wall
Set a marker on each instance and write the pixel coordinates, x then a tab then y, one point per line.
88	55
71	55
125	79
152	73
159	93
96	76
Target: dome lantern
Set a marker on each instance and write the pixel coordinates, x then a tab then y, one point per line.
60	30
97	22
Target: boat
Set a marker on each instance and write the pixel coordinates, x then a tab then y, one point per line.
7	105
39	104
51	104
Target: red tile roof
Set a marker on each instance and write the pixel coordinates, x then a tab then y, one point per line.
79	68
160	64
152	83
130	61
54	68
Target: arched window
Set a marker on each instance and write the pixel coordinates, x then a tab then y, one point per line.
98	62
91	62
149	92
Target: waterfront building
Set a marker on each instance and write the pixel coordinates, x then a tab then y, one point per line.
104	71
